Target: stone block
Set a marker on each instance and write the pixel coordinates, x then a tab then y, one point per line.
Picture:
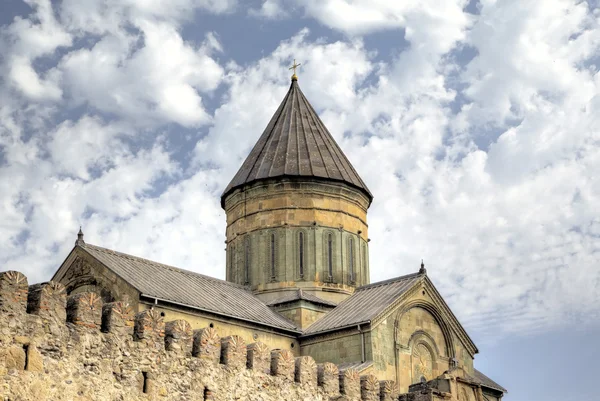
14	358
149	327
178	336
233	352
117	318
85	310
350	383
282	364
328	378
13	293
207	344
48	300
259	357
369	388
35	362
305	370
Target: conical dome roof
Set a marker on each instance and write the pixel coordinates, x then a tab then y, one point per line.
296	143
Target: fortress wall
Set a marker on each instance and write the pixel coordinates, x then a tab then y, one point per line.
54	347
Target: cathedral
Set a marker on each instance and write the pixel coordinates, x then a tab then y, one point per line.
297	270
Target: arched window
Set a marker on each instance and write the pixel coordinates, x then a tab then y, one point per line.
364	258
231	261
247	261
351	259
301	253
330	255
273	266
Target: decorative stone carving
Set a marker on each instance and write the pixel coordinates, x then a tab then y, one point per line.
388	390
259	357
282	364
305	370
149	327
350	383
233	352
48	300
178	336
328	378
369	388
422	362
117	317
207	344
85	309
13	292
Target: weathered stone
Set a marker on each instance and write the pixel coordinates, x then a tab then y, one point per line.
259	357
149	327
13	292
178	336
369	388
85	309
350	383
282	364
388	390
305	370
207	344
117	318
48	300
35	362
233	352
328	378
14	358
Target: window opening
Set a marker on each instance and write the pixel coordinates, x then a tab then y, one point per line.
26	350
330	255
145	385
247	262
272	256
351	258
301	255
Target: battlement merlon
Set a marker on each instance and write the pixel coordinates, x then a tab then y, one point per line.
77	346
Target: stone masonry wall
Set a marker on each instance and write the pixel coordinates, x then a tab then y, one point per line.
54	347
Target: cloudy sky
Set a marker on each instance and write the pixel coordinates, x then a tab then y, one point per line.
474	123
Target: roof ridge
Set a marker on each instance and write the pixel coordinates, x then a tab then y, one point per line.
386	282
168	267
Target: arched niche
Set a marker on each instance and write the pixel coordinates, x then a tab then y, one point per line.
423	318
89	283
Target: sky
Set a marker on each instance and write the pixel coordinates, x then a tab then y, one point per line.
475	124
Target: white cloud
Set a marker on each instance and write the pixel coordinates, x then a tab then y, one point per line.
269	9
498	195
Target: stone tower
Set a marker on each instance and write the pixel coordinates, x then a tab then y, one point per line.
297	212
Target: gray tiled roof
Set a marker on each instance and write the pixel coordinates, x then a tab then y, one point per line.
300	295
487	382
296	143
365	304
188	288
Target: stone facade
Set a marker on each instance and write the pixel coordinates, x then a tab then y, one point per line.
54	347
280	235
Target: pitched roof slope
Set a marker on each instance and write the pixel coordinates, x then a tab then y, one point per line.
301	295
488	382
188	288
296	143
365	304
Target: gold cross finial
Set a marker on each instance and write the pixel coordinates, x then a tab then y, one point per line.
293	67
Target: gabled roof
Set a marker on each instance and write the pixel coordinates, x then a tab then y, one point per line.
168	283
365	304
487	382
296	143
301	295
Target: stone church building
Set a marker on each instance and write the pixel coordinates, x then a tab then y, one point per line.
297	269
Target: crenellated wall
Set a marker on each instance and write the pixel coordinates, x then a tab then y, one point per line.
54	347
